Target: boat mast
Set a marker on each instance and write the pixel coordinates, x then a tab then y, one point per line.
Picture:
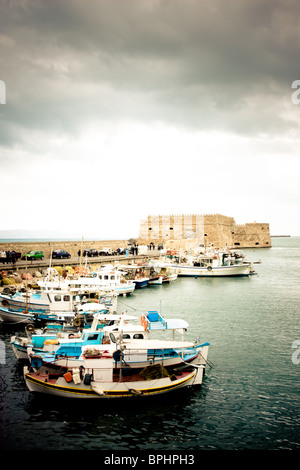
26	288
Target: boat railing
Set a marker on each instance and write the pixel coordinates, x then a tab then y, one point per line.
29	310
153	321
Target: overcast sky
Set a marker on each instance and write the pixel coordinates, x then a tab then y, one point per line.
119	109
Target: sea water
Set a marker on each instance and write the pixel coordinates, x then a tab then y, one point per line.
249	399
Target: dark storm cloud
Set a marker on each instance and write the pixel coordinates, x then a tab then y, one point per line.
218	64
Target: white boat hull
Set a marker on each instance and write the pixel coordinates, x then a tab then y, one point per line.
32	303
20	351
109	389
170	277
126	289
134	357
10	316
156	282
214	271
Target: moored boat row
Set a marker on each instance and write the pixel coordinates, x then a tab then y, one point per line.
113	358
77	345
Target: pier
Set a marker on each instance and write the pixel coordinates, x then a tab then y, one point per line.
30	266
73	248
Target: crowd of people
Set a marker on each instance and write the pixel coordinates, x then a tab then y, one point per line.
8	257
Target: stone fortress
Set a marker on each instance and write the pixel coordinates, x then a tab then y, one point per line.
173	231
191	231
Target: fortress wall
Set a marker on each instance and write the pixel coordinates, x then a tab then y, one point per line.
252	235
175	231
218	229
211	229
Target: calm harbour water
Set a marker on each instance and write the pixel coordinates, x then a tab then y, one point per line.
250	395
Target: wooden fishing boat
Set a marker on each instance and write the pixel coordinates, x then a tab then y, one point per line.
98	380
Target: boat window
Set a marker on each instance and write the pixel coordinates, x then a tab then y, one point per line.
93	337
106	277
126	336
66	298
112	277
138	336
57	298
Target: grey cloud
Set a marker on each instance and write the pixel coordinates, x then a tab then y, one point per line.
199	64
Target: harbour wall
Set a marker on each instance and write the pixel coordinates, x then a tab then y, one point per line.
209	230
71	247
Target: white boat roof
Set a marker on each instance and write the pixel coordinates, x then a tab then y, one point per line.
172	324
91	306
113	316
123	328
175	323
158	344
142	344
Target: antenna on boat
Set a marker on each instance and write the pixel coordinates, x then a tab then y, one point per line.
81	250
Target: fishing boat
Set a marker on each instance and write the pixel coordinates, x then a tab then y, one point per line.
48	338
106	279
129	343
51	331
114	279
136	273
98	379
164	269
49	305
156	280
215	264
169	275
25	299
141	281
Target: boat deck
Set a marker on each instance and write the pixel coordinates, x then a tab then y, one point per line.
143	375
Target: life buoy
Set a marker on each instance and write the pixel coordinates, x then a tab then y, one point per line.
29	328
77	321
